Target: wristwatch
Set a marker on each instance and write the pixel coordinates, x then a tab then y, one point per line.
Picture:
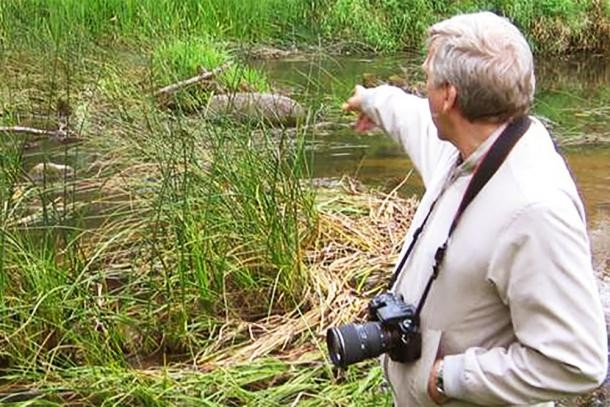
440	386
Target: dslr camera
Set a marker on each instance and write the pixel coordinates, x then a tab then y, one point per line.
393	329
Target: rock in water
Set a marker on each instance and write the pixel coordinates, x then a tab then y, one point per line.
268	108
50	172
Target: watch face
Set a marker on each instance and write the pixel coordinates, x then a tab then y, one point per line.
440	386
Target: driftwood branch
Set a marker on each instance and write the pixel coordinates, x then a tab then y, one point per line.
61	134
168	90
29	130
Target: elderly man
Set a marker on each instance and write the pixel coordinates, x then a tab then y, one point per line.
514	317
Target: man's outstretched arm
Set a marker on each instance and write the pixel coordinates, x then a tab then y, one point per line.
406	118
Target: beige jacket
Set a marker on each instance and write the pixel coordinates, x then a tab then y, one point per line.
515	311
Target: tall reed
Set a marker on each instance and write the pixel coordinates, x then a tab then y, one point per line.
387	25
172	227
61	20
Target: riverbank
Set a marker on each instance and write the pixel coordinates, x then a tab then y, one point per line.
558	26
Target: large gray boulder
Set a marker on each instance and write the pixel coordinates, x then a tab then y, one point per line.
267	108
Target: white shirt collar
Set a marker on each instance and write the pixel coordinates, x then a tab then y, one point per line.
467	166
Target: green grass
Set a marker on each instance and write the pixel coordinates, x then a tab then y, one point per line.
209	235
65	20
177	226
177	60
253	384
387	25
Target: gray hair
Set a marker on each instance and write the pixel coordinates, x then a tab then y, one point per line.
488	61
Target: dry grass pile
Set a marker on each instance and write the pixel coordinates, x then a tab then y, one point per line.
359	236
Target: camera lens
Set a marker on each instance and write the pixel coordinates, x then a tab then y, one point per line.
352	343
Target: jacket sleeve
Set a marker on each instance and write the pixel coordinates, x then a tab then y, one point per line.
543	273
406	118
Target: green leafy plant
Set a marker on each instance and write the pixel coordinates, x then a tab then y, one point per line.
182	59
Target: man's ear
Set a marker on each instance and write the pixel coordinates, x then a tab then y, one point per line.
450	100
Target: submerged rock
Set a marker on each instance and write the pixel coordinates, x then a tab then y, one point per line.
50	172
266	52
268	108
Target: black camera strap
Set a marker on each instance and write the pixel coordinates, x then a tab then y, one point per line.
495	156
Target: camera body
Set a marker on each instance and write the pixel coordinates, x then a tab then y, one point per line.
393	329
394	314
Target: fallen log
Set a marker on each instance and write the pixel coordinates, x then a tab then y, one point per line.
60	134
28	130
173	88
